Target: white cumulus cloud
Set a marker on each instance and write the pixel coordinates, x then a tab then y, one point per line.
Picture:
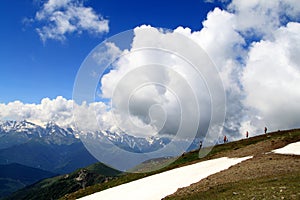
58	110
159	85
262	17
271	78
58	18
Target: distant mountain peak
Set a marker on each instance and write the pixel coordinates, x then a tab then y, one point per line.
19	126
30	128
51	123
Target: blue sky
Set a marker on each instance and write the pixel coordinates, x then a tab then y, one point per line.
32	69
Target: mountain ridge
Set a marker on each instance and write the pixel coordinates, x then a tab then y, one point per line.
56	134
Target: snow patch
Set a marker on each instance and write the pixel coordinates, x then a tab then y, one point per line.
293	148
161	185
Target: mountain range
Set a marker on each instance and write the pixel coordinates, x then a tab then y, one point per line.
50	148
42	151
14	133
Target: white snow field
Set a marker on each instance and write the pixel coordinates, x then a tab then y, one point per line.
161	185
293	148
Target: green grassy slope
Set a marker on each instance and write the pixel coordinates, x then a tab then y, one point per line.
56	187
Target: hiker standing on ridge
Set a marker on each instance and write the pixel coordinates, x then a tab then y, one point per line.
266	130
200	145
225	139
247	134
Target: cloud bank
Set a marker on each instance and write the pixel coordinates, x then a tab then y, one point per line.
57	18
254	44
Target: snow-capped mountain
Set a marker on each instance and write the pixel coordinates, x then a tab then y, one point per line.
20	127
22	131
54	133
139	144
53	129
49	147
133	143
29	128
18	132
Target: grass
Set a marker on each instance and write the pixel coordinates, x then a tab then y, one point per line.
284	186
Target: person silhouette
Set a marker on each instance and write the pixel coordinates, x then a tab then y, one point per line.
266	130
225	139
247	134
